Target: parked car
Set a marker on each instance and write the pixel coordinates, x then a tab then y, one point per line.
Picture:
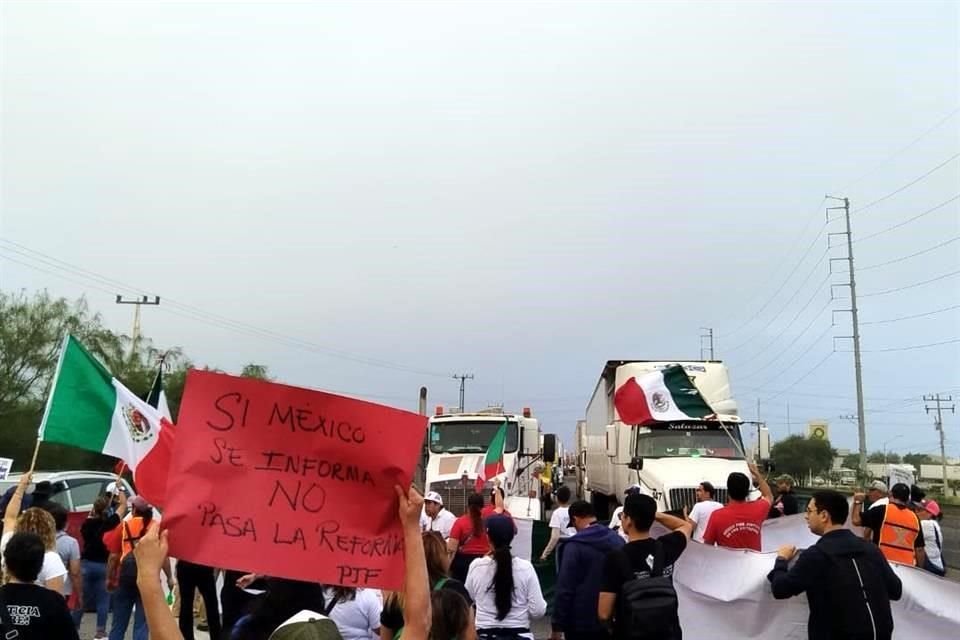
75	490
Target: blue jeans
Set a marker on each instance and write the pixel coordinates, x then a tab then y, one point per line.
95	589
125	599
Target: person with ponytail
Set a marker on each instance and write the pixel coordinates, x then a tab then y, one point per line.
505	588
468	540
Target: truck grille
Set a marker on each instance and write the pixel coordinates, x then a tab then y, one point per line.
454	495
687	497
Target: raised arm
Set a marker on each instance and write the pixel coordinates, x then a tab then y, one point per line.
761	483
675	524
855	515
16	501
416	585
151	555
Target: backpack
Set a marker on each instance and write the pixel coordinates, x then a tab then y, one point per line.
858	596
128	565
648	605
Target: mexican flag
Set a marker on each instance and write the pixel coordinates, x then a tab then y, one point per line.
661	396
493	462
90	409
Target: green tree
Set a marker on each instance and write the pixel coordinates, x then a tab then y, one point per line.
31	332
851	461
799	456
880	457
257	371
917	459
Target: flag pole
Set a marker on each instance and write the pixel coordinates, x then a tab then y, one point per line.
46	409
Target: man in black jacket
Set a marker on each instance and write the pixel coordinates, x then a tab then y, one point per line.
578	585
848	582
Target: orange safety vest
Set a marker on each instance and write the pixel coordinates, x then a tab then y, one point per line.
898	534
133	530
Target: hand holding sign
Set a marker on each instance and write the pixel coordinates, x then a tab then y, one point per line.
290	482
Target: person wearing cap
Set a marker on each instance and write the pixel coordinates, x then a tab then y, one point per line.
505	588
928	511
786	502
877	494
699	516
435	517
632	490
578	585
126	597
895	528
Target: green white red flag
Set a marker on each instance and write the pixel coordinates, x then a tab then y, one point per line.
666	395
90	409
493	462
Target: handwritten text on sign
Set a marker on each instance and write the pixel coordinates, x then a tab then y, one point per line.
289	482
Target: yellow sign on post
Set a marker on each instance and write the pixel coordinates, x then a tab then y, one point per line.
818	430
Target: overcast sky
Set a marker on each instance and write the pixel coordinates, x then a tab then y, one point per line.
517	190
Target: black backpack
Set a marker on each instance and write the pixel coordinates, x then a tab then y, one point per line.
860	605
128	566
647	606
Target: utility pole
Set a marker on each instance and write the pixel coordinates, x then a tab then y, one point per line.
852	284
137	302
789	430
462	377
939	422
706	333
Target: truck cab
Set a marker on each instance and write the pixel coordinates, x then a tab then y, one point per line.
457	445
668	459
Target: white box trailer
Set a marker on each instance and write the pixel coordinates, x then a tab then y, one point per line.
675	456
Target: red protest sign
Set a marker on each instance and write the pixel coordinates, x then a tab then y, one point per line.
289	482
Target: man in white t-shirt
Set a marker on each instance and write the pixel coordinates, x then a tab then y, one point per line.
700	514
560	528
633	489
434	516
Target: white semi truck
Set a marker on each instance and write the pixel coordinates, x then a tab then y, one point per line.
668	460
456	448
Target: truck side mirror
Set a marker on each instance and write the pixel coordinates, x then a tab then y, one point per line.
612	441
636	463
549	447
531	440
768	466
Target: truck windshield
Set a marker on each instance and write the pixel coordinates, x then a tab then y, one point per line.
465	436
687	441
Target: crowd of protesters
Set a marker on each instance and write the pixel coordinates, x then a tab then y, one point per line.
462	580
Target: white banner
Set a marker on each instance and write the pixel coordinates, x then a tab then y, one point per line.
724	593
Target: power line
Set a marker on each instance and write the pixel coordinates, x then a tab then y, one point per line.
803	257
909	184
918	315
792	342
801	378
908	220
912	255
911	347
910	286
804	352
903	149
196	313
784	307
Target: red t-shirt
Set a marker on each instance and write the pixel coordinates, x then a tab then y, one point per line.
737	525
470	543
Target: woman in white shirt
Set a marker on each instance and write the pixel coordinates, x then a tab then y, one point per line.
505	589
41	523
356	612
929	513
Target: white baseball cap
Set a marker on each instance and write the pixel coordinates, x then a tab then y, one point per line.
433	496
